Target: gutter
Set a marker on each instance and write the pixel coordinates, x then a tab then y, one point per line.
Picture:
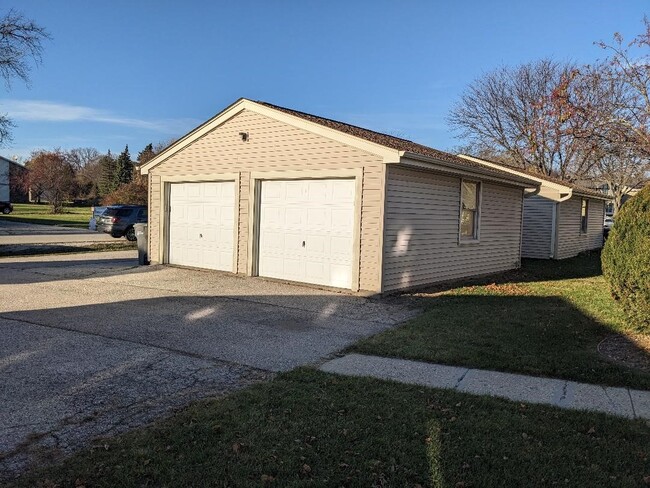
528	194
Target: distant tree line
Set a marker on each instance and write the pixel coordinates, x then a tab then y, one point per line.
84	174
581	123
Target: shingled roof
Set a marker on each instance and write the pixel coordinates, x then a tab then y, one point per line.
393	142
558	181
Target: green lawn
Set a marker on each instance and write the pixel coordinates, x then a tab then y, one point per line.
546	320
41	214
308	428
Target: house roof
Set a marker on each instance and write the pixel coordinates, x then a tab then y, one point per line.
389	141
376	141
581	190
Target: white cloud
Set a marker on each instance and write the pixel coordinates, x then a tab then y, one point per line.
45	111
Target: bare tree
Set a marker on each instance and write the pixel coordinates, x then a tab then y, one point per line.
79	157
628	64
512	111
20	42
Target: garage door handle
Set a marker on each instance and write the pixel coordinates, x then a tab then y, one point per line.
201	235
303	243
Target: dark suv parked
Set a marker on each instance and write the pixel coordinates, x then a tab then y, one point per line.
6	207
118	220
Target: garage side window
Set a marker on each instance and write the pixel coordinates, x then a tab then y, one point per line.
584	215
469	210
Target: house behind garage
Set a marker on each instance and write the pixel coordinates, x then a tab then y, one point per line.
8	171
266	191
561	220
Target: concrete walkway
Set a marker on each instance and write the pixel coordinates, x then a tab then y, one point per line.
622	402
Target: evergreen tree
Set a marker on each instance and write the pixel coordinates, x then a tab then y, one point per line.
124	167
107	182
146	154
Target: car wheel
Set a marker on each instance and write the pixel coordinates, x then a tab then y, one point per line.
6	210
130	234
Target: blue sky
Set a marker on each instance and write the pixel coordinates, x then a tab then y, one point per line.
140	71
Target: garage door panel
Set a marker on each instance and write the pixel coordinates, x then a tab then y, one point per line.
202	225
319	191
340	247
319	213
340	275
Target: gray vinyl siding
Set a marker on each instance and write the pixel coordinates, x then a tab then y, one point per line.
5	194
421	229
274	146
538	227
571	241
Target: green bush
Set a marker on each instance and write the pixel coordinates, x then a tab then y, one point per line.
626	259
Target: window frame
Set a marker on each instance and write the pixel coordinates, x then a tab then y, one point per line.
476	237
584	219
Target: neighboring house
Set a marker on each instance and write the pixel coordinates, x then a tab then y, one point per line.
9	170
629	193
266	191
561	220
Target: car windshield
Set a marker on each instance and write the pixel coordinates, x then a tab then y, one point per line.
118	212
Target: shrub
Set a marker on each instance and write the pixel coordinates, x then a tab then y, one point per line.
626	259
134	193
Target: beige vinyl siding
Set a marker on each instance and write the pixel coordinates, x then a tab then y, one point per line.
421	230
538	227
154	212
570	240
275	146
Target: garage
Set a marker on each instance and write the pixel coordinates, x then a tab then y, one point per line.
263	190
201	224
306	231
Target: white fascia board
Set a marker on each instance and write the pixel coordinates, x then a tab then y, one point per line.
388	155
423	162
546	183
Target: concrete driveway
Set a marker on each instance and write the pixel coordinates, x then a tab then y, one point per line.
94	345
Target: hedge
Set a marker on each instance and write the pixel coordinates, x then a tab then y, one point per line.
626	259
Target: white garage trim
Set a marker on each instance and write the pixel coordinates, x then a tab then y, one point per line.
164	209
256	178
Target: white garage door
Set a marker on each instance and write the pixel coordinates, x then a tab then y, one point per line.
307	231
201	224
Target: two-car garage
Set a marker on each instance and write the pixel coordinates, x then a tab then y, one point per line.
262	190
304	229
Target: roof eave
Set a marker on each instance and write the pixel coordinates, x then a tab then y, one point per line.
463	169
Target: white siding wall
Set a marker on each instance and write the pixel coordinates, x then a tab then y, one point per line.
571	241
538	227
421	230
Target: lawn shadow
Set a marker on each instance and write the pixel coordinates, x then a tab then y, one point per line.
511	330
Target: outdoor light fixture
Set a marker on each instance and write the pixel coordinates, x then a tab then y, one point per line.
244	136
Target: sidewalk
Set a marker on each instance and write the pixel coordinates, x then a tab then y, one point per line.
622	402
